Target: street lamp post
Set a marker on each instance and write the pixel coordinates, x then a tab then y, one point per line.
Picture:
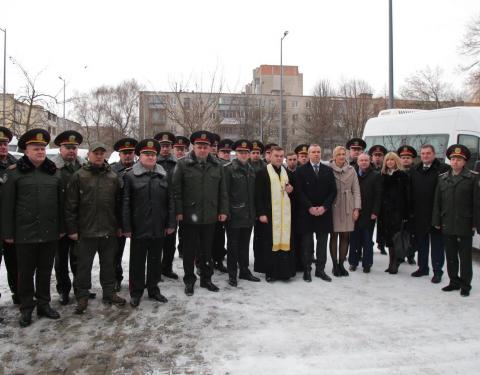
4	75
280	133
390	55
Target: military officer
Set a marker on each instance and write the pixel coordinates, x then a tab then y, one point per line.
256	156
302	154
32	220
67	162
92	210
240	181
454	214
148	216
355	147
377	153
180	147
214	146
8	250
219	251
407	156
168	163
200	201
126	151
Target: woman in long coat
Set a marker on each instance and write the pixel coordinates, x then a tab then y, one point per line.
394	211
345	209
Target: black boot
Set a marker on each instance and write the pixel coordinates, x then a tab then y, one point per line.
336	269
307	276
437	277
134	301
118	286
450	287
25	318
15	299
419	273
322	275
343	271
207	284
247	275
411	260
232	281
64	299
114	299
82	304
157	296
47	312
189	289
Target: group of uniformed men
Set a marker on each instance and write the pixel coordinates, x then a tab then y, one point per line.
60	213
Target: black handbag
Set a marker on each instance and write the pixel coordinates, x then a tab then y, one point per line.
401	243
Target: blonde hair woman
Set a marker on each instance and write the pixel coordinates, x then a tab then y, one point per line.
394	211
345	209
395	164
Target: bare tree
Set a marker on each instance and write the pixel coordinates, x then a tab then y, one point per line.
321	114
428	86
195	109
470	48
109	112
252	115
121	107
26	113
89	111
355	107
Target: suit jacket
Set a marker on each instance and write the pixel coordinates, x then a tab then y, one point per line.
313	190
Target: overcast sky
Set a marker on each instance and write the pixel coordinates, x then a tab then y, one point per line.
158	42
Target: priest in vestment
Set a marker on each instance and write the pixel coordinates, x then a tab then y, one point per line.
273	209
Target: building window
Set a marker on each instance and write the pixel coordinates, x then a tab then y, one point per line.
186	103
308	104
295	117
294	104
157	100
158	116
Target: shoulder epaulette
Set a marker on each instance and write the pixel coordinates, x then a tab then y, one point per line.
13	166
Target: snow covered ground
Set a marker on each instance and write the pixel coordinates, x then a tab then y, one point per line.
363	324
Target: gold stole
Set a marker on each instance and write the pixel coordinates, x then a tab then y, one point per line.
281	219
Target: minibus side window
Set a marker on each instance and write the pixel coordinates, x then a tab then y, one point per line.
471	142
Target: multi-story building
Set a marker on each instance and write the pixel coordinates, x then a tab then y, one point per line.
266	81
20	117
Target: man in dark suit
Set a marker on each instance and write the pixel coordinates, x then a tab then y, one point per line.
315	191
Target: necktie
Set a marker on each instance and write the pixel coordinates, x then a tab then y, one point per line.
315	167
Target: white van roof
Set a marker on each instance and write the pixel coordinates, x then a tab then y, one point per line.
438	121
